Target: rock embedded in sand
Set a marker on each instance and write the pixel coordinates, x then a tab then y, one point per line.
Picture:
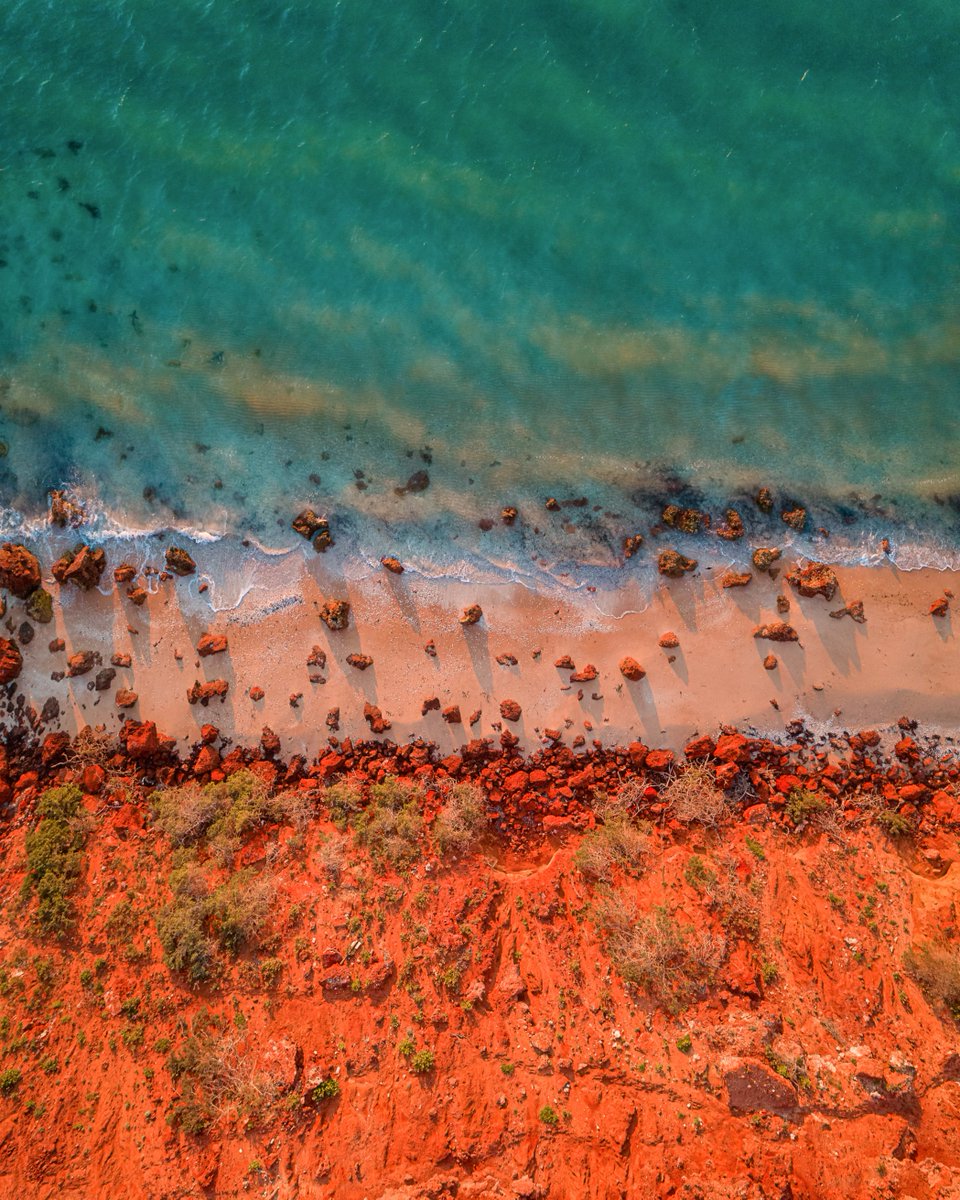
332	720
815	579
179	561
686	520
335	614
203	693
256	694
120	660
764	557
631	669
777	631
360	661
125	573
451	714
419	481
673	564
137	596
940	608
57	645
668	640
39	606
783	604
19	570
510	710
125	698
565	663
393	565
764	499
632	544
770	662
731	529
11	660
82	566
508	514
507	660
732	579
587	675
212	643
475	716
80	663
795	517
471	614
430	648
375	719
854	610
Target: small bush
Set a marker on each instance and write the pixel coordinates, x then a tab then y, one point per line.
695	799
802	805
54	858
685	1043
422	1062
461	820
344	800
391	824
10	1080
894	823
407	1046
548	1115
220	812
326	1089
618	842
507	1068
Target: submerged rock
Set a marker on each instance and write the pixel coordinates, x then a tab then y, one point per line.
686	520
731	528
179	561
673	564
765	556
764	500
308	523
508	514
83	566
796	518
125	573
19	570
632	544
65	512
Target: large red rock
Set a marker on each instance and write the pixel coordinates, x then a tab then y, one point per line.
335	614
510	710
673	564
83	567
203	693
140	738
815	579
19	570
631	669
732	748
212	643
699	747
659	760
11	660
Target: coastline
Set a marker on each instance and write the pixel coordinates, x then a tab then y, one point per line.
896	662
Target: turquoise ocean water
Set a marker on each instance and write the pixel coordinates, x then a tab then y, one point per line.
259	255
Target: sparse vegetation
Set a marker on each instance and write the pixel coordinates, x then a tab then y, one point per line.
10	1080
674	963
936	969
694	798
392	822
421	1063
548	1115
802	805
619	842
326	1089
461	820
215	1074
893	823
54	858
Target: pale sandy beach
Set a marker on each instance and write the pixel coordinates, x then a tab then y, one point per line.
840	675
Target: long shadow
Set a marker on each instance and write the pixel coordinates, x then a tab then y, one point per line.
478	646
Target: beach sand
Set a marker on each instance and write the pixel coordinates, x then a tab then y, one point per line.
840	675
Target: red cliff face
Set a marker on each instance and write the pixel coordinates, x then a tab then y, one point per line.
406	990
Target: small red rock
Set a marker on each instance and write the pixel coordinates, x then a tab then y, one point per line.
125	698
510	710
770	662
471	614
393	565
669	641
360	661
212	643
256	693
631	669
452	715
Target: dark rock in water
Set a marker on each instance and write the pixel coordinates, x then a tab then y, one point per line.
25	633
795	517
83	566
686	520
508	514
19	570
393	565
323	539
335	614
673	564
419	481
731	529
764	557
553	504
51	710
815	579
632	544
39	606
777	631
471	614
179	561
764	500
65	512
104	679
11	660
124	573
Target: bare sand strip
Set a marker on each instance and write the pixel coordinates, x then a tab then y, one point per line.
902	660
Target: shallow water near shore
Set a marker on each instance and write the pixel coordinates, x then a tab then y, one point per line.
257	257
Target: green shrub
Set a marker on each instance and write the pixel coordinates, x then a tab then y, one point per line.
894	823
755	848
548	1115
54	858
407	1046
618	842
802	804
685	1043
220	812
507	1068
391	824
422	1062
344	800
326	1089
10	1080
461	820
